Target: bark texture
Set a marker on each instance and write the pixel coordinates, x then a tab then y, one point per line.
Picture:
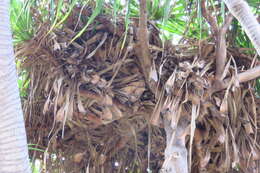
176	154
13	144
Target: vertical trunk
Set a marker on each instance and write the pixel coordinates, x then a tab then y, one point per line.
13	144
176	155
242	12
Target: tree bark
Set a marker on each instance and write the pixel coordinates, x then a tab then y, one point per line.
176	154
13	145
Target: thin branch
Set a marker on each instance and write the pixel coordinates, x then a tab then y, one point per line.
221	50
219	34
221	53
143	41
250	74
227	23
246	76
210	19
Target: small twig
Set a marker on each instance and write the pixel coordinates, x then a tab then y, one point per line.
99	45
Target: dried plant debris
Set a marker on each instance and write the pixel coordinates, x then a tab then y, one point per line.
90	102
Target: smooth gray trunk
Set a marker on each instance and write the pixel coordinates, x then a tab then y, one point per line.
243	13
13	144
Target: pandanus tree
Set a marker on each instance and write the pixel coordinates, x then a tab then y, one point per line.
88	67
176	154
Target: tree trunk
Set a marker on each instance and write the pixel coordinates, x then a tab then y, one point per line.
242	12
13	144
176	154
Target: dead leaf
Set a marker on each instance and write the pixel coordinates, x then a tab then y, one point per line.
46	106
224	106
60	116
95	79
107	114
77	158
194	99
56	46
116	112
205	160
170	83
217	101
153	74
107	100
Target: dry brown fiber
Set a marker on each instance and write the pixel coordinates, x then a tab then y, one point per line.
89	102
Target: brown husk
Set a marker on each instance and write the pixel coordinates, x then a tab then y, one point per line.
90	104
